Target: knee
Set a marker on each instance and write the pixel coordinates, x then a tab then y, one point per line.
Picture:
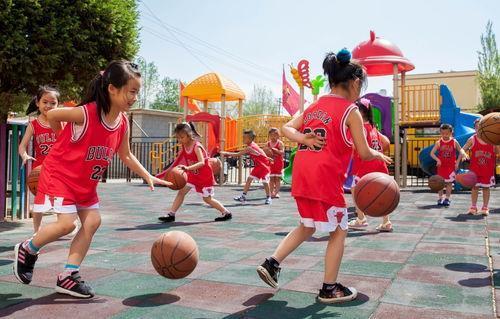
207	200
67	226
92	224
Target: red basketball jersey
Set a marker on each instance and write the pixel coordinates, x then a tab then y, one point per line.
43	139
447	153
81	155
359	167
258	156
320	173
203	176
278	159
483	158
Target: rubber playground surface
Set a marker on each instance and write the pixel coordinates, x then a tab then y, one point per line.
434	265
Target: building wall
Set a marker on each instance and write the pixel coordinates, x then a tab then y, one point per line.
463	85
158	125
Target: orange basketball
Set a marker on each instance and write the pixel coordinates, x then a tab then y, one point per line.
177	177
215	164
33	179
376	194
489	128
174	254
436	183
467	180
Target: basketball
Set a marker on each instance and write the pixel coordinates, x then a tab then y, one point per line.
436	183
467	180
33	179
174	255
177	177
268	151
489	128
215	164
376	194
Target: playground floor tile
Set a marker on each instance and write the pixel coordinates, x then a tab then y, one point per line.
170	311
392	311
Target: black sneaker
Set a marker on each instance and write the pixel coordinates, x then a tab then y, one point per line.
269	274
446	202
167	219
24	263
338	294
226	216
73	286
440	202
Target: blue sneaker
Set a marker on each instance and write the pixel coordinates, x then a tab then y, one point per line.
440	202
446	202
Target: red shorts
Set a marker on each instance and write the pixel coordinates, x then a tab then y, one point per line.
204	191
277	168
321	215
447	172
260	173
485	181
58	204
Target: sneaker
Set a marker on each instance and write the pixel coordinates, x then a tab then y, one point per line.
24	263
268	201
446	202
338	294
358	223
242	198
167	218
385	228
440	202
269	274
224	217
485	211
73	286
472	210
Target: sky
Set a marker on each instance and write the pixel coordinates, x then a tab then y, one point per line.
249	41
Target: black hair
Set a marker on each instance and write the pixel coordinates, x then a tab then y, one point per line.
446	126
250	133
116	73
366	112
274	130
340	69
32	107
187	128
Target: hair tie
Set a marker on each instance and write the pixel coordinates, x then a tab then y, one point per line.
365	102
344	56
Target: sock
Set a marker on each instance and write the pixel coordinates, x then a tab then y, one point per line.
328	286
69	268
30	247
171	214
273	262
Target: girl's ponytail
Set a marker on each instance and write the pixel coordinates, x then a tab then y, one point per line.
32	107
193	129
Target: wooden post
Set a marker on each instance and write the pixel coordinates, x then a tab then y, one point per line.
240	159
3	171
301	102
404	156
397	140
185	113
222	137
205	126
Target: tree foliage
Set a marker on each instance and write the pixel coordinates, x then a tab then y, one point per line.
150	82
489	70
61	42
167	97
261	101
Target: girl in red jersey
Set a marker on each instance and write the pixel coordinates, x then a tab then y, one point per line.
96	130
199	173
446	160
319	171
261	170
44	137
482	163
276	146
360	168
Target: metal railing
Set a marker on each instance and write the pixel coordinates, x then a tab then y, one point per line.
420	103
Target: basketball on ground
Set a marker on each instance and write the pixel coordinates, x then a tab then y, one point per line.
436	183
174	255
177	177
376	194
489	128
467	180
33	179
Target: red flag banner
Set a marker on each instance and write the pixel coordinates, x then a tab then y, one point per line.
290	97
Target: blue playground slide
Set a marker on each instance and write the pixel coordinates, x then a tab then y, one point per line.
463	127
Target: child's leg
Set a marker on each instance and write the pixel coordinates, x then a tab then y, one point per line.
215	204
333	256
292	241
448	190
271	185
277	185
440	194
179	199
53	231
267	189
248	183
486	196
474	195
91	220
37	221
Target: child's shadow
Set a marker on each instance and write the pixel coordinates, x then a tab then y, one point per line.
464	217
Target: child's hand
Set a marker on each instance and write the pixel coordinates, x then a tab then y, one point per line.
27	158
457	165
154	180
183	167
438	162
312	140
383	157
465	157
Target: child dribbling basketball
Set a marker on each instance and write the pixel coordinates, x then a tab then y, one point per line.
482	163
96	130
46	99
446	160
360	168
199	173
319	171
262	169
276	146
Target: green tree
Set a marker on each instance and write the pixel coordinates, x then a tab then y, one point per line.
150	82
61	42
261	101
167	97
489	70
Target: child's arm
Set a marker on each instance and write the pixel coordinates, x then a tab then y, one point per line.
57	116
465	149
281	150
24	144
131	162
355	124
291	131
463	155
433	154
235	154
386	143
199	164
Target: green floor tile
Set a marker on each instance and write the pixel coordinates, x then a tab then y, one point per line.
223	254
443	260
385	244
365	268
14	293
167	311
115	260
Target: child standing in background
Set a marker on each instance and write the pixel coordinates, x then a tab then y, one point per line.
276	146
446	160
262	169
